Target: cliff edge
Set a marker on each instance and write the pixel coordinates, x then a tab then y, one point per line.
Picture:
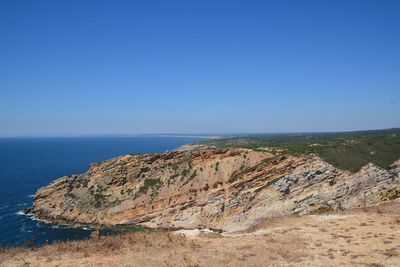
228	189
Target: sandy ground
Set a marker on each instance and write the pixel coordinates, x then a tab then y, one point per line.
362	237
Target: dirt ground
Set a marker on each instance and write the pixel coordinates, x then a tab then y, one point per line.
362	237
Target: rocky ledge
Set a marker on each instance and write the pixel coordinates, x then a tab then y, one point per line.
225	189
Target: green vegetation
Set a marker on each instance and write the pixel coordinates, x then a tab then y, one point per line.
194	174
191	177
99	200
172	178
100	189
347	150
149	183
185	172
81	182
265	161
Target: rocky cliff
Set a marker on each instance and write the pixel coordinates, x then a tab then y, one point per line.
227	189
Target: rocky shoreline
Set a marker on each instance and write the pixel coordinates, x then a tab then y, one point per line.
220	189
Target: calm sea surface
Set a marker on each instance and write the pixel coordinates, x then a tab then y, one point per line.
29	163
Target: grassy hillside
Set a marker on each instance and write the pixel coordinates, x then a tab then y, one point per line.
348	150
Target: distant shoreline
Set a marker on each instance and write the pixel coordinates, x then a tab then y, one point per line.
116	136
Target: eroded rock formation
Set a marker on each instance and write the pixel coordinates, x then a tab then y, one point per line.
227	189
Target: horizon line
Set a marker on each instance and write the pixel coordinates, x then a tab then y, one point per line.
192	135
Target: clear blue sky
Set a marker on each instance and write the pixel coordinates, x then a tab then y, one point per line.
117	67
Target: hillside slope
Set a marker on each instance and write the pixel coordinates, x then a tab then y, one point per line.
227	189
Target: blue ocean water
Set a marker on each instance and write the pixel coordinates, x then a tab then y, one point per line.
26	164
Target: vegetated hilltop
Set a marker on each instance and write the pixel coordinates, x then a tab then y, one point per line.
346	150
230	189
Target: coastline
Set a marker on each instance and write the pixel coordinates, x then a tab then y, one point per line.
73	224
31	163
259	175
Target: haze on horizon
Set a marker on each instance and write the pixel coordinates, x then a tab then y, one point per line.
192	67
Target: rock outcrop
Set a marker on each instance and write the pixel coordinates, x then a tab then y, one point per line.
226	189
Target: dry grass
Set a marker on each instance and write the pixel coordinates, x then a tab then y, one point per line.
320	240
106	246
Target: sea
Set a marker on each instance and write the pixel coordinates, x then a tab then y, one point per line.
26	164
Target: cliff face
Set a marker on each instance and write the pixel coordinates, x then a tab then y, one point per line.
228	189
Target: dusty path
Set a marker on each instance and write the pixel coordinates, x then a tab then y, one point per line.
366	237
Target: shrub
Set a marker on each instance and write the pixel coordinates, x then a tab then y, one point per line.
194	174
148	183
185	172
99	200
